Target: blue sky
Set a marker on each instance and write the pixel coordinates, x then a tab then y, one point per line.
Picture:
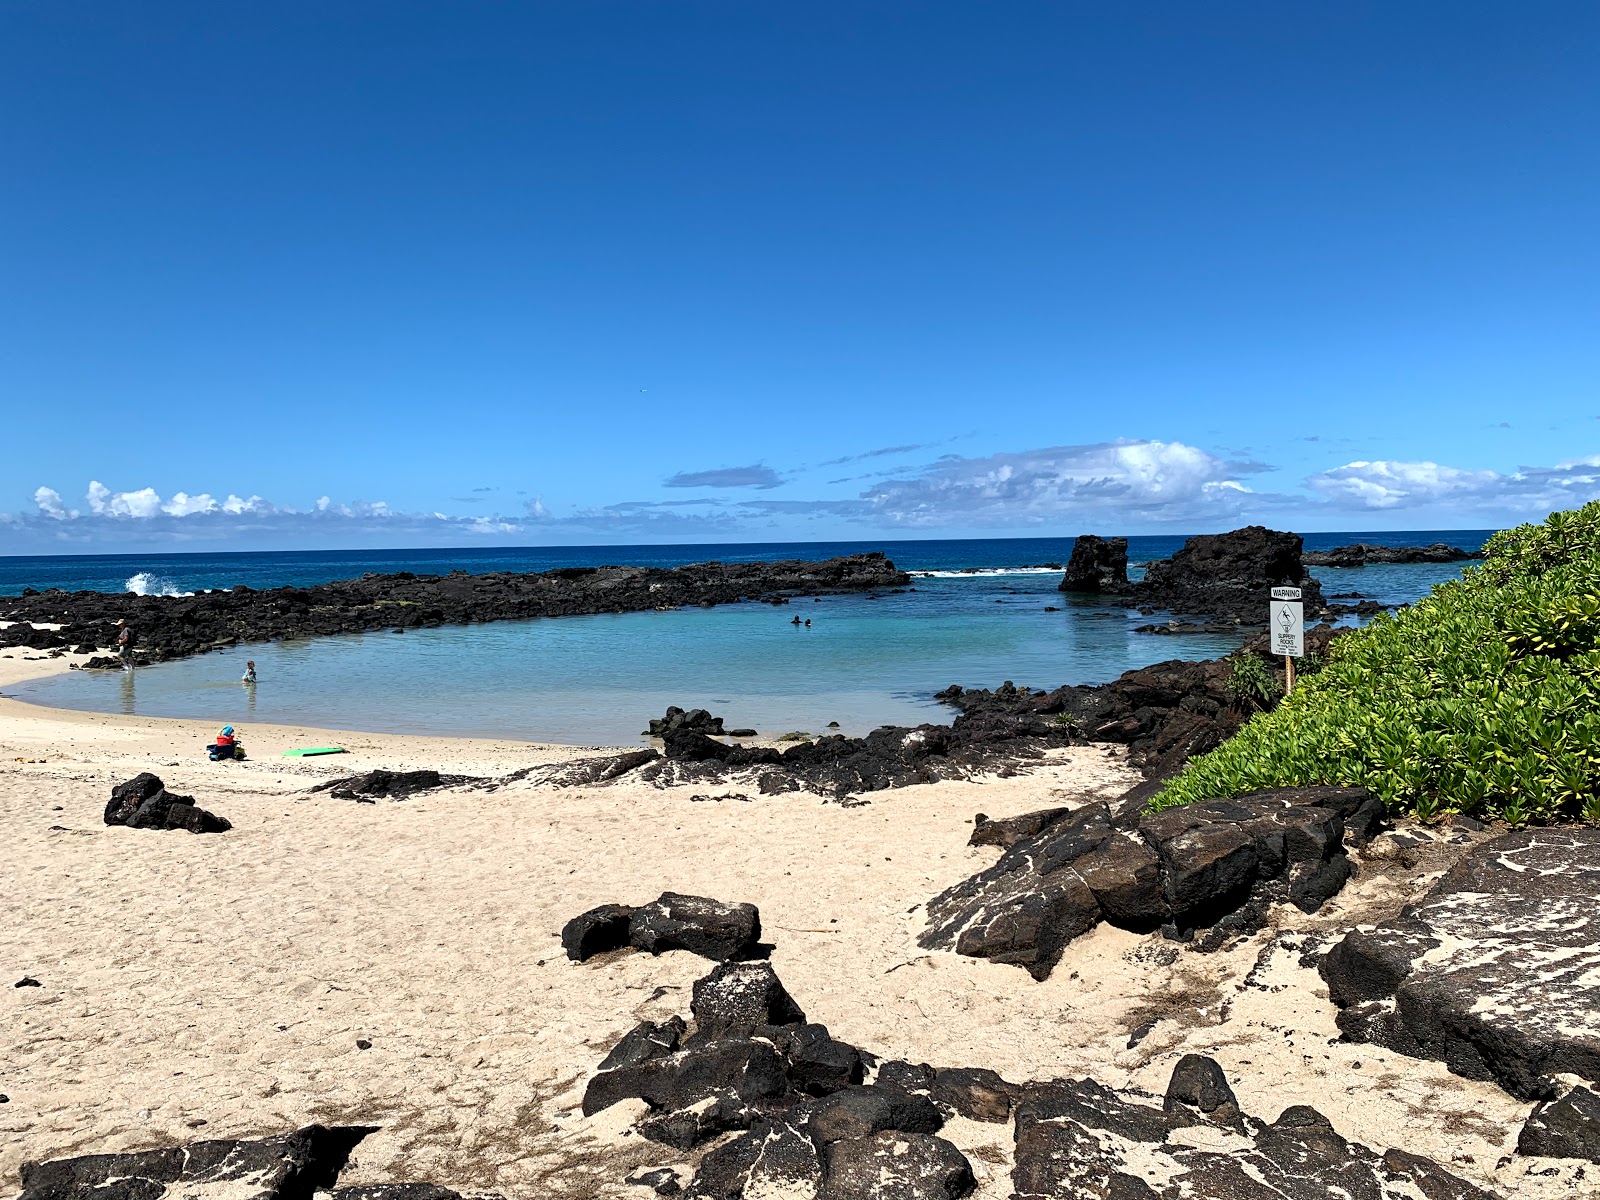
283	273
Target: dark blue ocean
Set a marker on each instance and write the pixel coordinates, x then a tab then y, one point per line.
981	613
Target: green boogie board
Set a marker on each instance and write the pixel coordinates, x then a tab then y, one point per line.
314	750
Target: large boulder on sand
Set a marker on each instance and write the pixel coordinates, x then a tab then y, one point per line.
1493	971
710	928
285	1167
143	802
596	931
1185	868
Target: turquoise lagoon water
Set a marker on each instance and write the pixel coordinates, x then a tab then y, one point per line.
597	680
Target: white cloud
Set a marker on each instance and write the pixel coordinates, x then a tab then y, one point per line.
49	502
1112	482
185	505
1387	485
106	503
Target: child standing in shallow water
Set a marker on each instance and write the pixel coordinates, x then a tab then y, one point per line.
249	672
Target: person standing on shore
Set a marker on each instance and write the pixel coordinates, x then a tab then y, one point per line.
125	645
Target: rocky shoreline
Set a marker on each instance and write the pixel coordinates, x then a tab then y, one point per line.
170	627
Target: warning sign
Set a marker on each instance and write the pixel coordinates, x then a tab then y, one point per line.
1288	625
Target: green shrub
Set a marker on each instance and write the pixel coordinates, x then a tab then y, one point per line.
1251	685
1484	698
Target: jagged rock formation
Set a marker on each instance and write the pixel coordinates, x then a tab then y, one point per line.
167	627
1076	1138
1228	575
807	1124
144	803
1098	565
1492	972
696	720
1198	866
1363	553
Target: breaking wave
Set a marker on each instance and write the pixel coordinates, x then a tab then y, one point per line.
147	584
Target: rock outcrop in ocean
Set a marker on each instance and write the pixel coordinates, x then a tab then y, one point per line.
1098	565
1223	576
1362	553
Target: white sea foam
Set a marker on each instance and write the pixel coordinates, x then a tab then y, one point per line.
985	572
147	584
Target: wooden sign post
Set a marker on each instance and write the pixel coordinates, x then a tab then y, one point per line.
1286	624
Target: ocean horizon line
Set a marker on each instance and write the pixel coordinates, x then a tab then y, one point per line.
468	548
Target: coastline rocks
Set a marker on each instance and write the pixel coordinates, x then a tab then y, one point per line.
697	719
896	1166
1363	553
1098	565
1220	864
710	928
584	772
1228	575
285	1167
168	627
143	802
1164	713
1491	972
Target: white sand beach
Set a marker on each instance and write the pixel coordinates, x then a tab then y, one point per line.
222	985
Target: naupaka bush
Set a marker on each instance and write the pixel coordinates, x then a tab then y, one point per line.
1483	698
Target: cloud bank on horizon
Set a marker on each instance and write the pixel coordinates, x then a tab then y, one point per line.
1112	487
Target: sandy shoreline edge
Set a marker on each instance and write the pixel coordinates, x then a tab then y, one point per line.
214	986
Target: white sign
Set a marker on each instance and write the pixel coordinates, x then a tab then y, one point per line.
1285	593
1288	625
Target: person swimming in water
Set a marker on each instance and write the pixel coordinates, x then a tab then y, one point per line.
249	672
